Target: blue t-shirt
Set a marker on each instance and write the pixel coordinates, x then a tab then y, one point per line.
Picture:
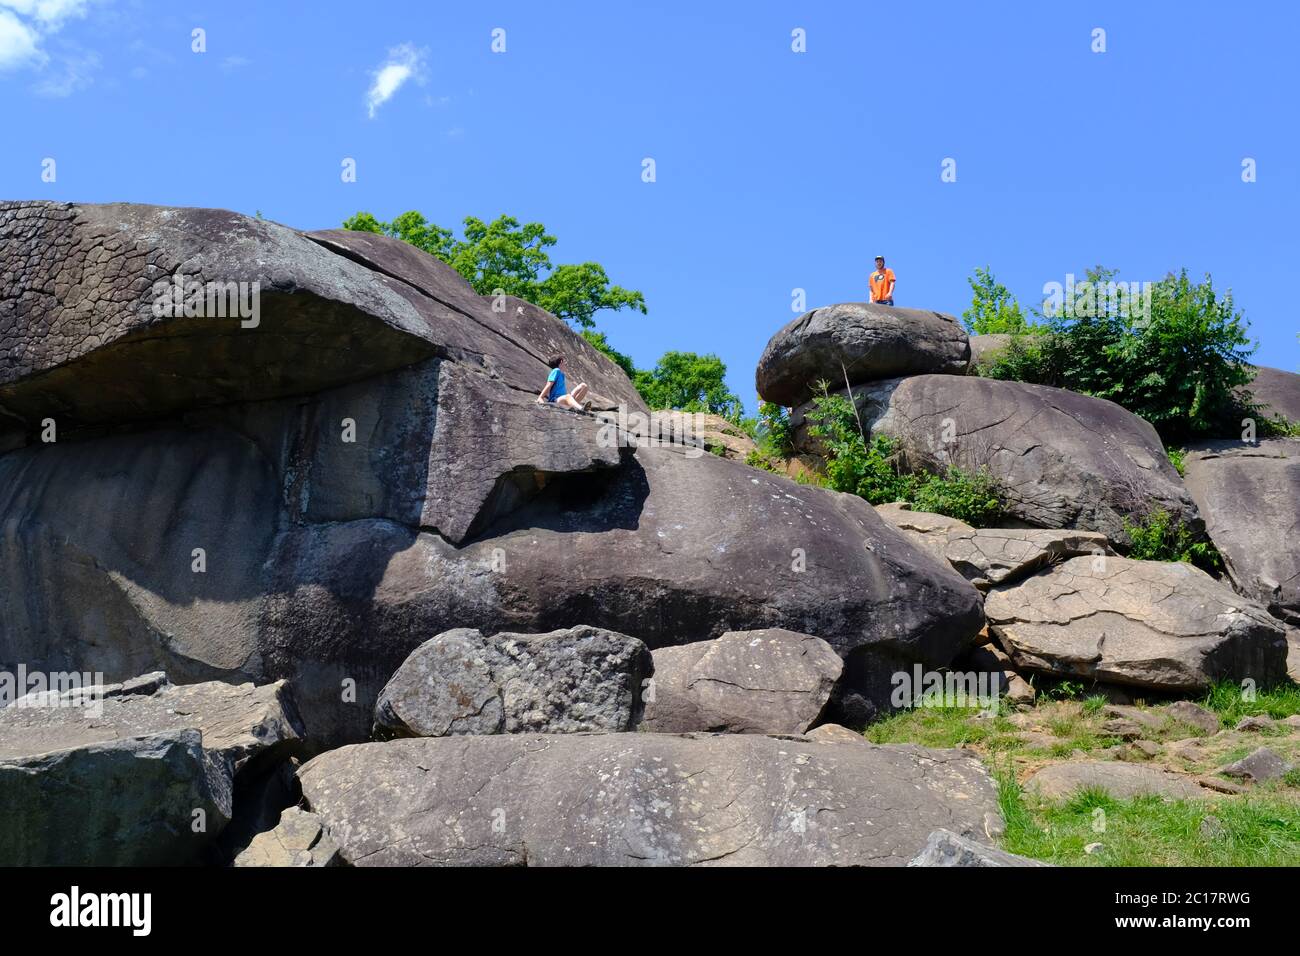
559	388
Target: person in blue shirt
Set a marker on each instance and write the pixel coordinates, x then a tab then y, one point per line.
557	391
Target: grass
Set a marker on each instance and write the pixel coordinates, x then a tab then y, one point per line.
1226	699
1262	829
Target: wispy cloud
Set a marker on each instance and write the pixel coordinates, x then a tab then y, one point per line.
73	72
235	62
404	63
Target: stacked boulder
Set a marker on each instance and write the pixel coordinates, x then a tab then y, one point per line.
1072	472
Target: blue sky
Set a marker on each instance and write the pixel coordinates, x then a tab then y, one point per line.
776	170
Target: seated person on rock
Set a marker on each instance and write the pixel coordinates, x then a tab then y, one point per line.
556	390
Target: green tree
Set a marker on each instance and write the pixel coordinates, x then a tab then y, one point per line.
690	383
993	309
1180	362
503	254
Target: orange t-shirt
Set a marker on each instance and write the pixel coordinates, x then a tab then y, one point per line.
880	283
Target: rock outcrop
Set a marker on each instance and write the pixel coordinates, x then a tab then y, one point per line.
316	519
991	556
1249	496
770	681
132	779
642	799
861	342
1166	626
460	682
1061	460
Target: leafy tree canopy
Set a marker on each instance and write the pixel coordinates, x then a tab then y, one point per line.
993	309
690	383
1178	357
504	255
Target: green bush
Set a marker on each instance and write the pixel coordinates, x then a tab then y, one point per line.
993	309
1158	537
1181	364
875	471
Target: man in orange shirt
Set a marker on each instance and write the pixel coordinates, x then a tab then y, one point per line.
882	283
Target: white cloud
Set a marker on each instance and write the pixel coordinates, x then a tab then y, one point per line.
404	62
50	13
26	24
19	44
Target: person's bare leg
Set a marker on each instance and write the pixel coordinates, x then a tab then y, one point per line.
567	401
580	393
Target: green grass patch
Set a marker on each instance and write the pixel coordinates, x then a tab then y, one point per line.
1256	830
944	727
1232	704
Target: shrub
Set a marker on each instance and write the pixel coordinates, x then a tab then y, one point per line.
993	309
1181	365
971	497
1158	537
875	471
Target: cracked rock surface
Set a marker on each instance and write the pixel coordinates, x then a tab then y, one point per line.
770	681
1163	625
1249	495
641	799
460	682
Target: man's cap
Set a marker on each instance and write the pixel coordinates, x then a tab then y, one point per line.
880	257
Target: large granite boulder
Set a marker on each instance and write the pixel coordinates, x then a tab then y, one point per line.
460	682
90	330
991	556
770	681
505	337
1062	460
1168	626
862	342
1249	496
641	799
132	779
